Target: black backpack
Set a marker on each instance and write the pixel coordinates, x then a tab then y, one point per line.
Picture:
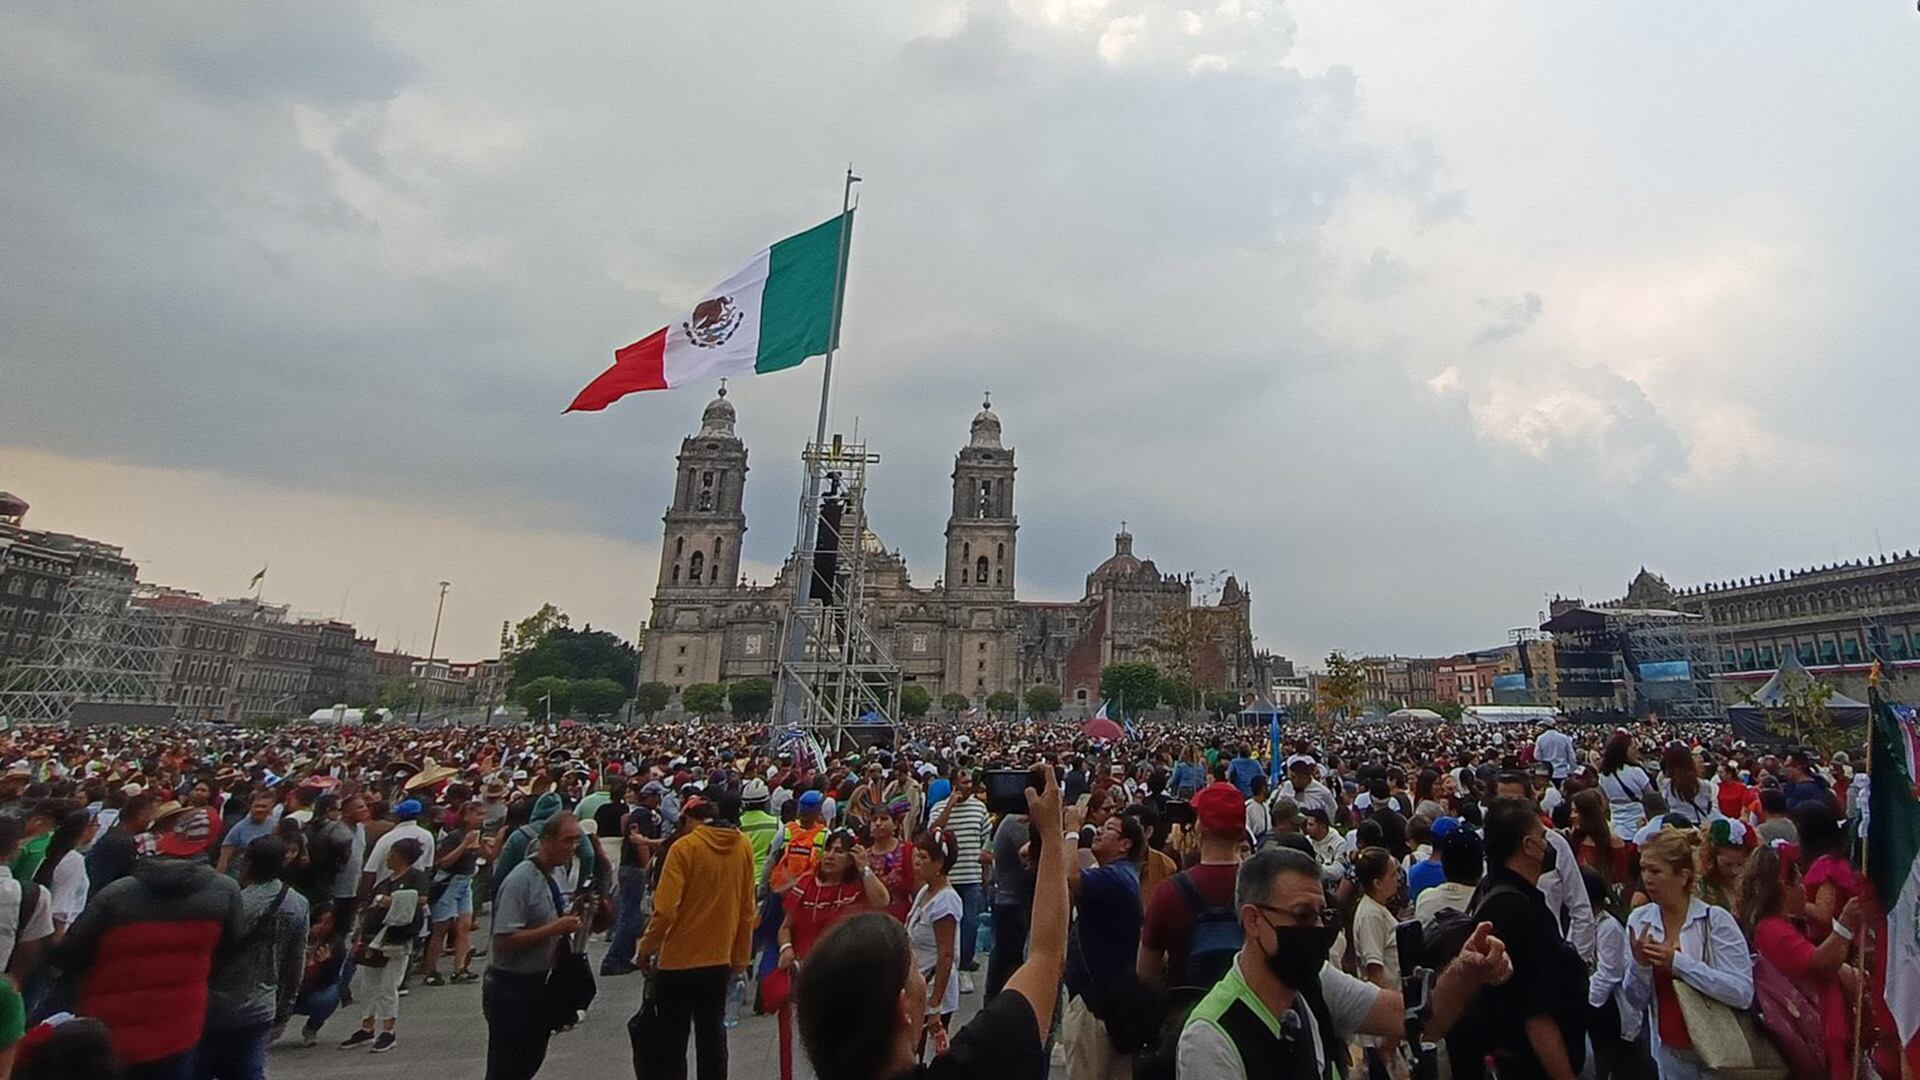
1211	950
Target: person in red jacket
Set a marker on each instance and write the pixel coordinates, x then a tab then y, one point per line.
140	957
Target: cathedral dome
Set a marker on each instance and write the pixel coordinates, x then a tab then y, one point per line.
719	417
1121	563
986	428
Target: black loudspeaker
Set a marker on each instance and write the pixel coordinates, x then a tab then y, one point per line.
826	549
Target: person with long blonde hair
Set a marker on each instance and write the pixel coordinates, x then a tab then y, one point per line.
1674	938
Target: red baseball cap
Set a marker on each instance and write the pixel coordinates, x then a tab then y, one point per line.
1219	807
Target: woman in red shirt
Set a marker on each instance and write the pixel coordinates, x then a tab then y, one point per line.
841	885
1773	907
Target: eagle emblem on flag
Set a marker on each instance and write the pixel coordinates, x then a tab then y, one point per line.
713	322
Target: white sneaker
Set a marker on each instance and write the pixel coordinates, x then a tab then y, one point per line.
966	983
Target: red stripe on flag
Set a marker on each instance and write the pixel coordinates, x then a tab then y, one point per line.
639	366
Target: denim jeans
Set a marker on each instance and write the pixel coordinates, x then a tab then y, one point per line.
973	900
629	921
318	1006
234	1053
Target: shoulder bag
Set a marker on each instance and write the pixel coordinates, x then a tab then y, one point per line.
1724	1037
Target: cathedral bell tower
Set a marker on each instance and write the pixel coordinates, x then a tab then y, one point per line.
706	523
980	531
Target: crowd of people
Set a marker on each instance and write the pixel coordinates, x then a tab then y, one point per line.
1409	900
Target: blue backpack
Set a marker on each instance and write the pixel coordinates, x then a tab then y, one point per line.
1215	939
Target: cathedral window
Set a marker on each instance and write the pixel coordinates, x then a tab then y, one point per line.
676	573
985	505
979	573
694	566
716	555
679	546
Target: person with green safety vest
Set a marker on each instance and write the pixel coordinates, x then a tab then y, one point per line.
1282	1011
760	826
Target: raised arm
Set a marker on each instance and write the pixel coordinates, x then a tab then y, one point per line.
1038	979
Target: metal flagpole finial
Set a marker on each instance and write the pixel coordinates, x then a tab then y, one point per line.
723	386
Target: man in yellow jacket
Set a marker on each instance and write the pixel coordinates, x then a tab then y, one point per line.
700	935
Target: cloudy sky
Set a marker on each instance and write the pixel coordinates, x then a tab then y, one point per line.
1409	314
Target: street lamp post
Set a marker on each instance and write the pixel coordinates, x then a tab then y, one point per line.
433	644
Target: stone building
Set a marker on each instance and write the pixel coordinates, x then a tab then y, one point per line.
967	633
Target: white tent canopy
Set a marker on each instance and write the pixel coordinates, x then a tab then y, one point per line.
1509	714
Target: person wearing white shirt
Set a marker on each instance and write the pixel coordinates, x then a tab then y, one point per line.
1555	748
1678	938
408	811
1625	784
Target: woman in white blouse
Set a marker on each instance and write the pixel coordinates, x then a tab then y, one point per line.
1624	783
1677	938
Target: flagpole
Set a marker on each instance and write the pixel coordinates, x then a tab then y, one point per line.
791	705
1859	945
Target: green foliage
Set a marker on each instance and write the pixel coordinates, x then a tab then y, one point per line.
704	699
402	694
750	699
1343	686
597	697
1223	703
1043	701
1002	702
529	631
954	703
651	697
532	697
1178	691
915	702
567	653
1133	687
1803	716
1450	710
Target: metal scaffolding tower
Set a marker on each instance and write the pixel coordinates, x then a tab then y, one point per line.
846	677
103	651
1669	659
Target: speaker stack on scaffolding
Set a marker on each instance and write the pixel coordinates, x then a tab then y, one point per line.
844	677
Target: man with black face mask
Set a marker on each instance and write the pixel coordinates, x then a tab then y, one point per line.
1535	1025
1282	1012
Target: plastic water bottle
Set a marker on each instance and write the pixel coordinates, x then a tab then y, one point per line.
736	1000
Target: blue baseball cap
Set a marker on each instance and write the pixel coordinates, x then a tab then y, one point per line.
811	800
407	808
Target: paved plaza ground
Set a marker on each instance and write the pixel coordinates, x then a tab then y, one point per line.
442	1035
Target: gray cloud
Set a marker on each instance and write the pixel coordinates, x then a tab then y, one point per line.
1511	314
369	250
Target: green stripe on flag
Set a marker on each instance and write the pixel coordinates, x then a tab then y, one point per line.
796	310
1894	829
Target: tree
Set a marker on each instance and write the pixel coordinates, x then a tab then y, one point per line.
576	654
529	631
954	703
750	699
533	695
704	698
1133	686
1803	716
1178	691
651	697
1043	701
914	701
1223	703
1002	702
1342	687
401	694
597	697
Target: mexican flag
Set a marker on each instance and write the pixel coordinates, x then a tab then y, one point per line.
1893	837
771	314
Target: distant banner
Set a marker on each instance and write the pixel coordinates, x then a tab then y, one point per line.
1666	671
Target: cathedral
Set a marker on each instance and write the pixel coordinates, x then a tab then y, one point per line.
968	633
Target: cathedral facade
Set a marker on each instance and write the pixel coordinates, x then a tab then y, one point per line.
968	633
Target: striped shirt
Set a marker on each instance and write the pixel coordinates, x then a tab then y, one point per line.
968	824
